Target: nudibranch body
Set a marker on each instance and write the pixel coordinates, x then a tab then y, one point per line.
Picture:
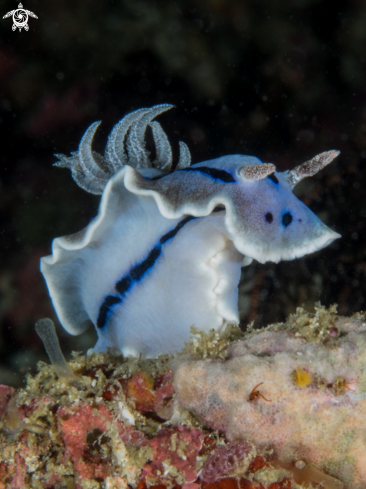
166	248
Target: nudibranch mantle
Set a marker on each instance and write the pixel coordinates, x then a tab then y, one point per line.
166	248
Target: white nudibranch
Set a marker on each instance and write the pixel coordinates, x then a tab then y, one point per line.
166	248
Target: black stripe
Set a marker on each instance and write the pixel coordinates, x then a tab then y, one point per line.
123	285
136	273
174	231
139	270
273	177
108	302
222	175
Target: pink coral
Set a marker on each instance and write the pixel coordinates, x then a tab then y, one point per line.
5	394
150	395
225	459
80	427
94	435
19	478
180	448
164	395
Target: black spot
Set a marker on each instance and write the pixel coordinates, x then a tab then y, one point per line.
273	178
269	217
286	219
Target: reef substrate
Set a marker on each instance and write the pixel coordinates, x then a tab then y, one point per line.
281	407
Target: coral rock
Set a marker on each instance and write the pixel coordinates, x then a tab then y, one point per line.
226	459
80	428
253	394
5	394
121	426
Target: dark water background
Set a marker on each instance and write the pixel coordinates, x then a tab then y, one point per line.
282	80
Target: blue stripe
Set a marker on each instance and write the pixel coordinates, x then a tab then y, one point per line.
214	173
136	274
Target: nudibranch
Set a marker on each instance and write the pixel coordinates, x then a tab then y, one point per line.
166	248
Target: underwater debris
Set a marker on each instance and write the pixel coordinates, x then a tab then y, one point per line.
127	425
255	393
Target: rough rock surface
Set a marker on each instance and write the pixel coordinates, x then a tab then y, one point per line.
113	431
298	388
122	425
